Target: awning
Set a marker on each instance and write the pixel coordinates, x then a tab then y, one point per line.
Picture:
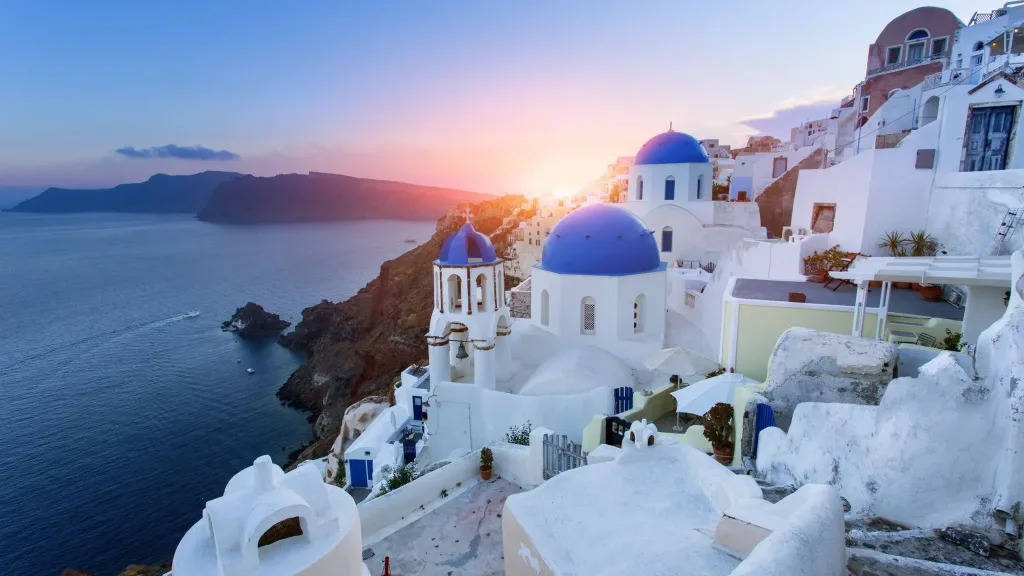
967	270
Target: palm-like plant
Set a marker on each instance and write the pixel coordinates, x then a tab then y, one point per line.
922	244
895	243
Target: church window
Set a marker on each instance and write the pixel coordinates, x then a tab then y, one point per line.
666	239
639	188
638	314
544	304
700	185
481	293
588	316
670	188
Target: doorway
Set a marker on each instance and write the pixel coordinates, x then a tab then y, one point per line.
988	138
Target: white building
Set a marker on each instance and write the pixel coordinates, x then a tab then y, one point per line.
671	191
752	173
536	230
601	282
269	523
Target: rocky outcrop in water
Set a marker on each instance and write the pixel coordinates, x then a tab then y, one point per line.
357	348
252	322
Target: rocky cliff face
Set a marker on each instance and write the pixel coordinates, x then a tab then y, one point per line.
776	202
357	348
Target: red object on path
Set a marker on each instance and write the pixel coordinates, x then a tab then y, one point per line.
387	566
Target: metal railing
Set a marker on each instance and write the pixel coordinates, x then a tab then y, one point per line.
907	64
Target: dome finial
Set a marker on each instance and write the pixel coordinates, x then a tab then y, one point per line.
468	214
670	126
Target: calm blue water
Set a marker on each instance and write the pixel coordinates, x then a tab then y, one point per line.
118	418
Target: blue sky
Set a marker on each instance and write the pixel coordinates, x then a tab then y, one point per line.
492	96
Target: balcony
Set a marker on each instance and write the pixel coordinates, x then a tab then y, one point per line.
907	64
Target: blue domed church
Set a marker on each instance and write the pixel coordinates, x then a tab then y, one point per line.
601	281
670	189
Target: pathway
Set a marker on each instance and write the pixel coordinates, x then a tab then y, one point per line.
461	538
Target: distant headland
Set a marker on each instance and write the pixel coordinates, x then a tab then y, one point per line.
233	198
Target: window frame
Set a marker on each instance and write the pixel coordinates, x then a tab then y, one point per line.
899	54
945	45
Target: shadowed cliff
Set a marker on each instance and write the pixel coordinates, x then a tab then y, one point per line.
161	194
776	202
357	348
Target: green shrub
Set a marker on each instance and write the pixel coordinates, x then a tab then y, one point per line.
486	458
519	434
718	425
397	478
952	341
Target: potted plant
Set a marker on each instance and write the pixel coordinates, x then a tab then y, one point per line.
931	292
817	265
718	429
922	244
895	243
486	463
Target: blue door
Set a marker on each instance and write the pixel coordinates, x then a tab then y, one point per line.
670	189
623	399
666	240
417	408
360	473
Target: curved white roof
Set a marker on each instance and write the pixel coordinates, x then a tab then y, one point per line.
576	370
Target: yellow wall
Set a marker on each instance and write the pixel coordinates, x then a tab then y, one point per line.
726	334
760	327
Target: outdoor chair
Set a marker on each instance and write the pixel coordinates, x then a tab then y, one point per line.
925	340
843	266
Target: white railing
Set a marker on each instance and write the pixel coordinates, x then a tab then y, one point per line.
907	64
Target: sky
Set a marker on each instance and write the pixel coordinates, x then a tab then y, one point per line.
499	97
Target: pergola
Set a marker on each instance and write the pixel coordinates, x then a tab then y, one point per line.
986	277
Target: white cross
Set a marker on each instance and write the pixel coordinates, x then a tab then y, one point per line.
468	214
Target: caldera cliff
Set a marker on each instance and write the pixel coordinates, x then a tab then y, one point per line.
357	348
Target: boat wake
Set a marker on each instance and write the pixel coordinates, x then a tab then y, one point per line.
113	335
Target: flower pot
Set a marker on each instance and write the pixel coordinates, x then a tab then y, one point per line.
916	286
931	293
901	285
874	283
485	473
819	278
723	455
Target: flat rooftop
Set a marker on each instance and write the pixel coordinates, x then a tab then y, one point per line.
900	301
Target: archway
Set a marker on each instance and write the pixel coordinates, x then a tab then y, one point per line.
482	294
930	111
454	292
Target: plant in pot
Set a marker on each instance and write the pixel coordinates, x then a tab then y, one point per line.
718	429
896	244
486	463
817	265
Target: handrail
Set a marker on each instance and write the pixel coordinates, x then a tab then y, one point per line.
906	64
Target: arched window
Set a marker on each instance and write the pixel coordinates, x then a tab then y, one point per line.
930	111
666	239
454	292
700	185
639	188
638	314
544	305
481	295
588	316
918	34
670	188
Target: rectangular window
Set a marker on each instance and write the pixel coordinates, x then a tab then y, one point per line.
779	167
864	103
892	56
915	51
938	46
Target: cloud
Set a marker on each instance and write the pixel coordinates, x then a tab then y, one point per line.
174	151
779	122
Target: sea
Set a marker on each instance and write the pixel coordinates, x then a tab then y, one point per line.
119	416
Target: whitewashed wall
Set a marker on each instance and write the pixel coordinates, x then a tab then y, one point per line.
614	297
967	208
846	185
954	110
654	176
469	417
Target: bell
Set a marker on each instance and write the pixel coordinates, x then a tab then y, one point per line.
462	354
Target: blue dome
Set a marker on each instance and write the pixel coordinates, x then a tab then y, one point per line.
467	247
600	240
671	148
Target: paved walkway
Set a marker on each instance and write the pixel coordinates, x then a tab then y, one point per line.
461	538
